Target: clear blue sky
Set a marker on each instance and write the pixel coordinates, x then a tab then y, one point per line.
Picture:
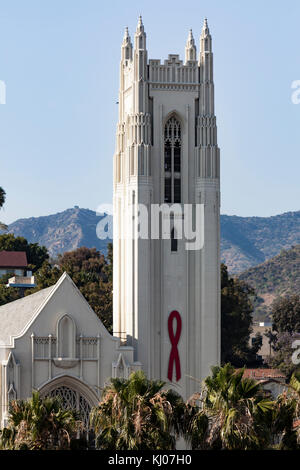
60	62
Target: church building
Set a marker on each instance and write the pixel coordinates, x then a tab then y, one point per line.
53	342
166	292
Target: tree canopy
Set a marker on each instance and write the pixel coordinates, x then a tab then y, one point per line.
2	196
2	201
136	414
7	294
39	424
236	321
286	314
92	274
233	413
286	329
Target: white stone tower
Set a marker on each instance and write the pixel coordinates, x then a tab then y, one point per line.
166	152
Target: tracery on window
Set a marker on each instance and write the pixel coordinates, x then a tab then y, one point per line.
172	160
72	399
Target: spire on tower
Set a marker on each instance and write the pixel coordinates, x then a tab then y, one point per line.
205	29
140	35
190	40
190	48
126	46
126	38
205	38
140	26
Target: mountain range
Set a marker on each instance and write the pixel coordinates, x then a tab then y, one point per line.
245	241
248	241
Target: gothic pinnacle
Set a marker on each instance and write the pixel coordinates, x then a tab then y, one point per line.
140	26
140	36
190	48
126	46
190	40
205	29
126	38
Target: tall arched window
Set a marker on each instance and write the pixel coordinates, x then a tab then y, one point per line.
172	156
66	336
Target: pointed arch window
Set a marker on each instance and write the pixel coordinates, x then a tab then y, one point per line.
66	334
172	160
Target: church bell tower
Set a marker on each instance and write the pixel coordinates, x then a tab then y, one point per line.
166	295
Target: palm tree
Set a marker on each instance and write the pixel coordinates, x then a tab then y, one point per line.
2	200
39	424
286	413
294	387
136	414
232	413
283	432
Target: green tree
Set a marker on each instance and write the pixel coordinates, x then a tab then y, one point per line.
236	321
236	410
46	276
286	314
2	201
286	411
7	294
36	255
39	424
283	423
136	414
92	274
285	330
282	352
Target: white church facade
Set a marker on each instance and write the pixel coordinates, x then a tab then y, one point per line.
53	342
166	298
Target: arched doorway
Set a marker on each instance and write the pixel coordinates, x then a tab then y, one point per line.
72	399
73	394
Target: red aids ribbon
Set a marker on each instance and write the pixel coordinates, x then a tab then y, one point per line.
174	338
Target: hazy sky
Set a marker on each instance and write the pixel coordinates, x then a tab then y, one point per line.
60	62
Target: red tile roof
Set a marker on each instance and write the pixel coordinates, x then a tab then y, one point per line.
13	259
296	423
259	374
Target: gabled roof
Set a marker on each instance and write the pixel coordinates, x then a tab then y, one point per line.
13	259
15	315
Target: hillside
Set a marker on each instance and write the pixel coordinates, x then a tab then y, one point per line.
248	241
63	231
245	241
277	276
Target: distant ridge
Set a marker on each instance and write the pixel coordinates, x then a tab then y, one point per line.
275	277
64	231
248	241
245	241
